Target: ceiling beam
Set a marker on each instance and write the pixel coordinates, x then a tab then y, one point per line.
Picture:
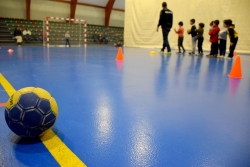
28	9
87	4
108	10
73	4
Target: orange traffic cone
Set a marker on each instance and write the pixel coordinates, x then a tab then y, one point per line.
236	69
119	54
235	53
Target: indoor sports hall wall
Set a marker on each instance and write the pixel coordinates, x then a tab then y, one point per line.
141	19
13	8
42	8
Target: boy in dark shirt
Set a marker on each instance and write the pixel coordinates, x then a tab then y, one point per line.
200	32
194	36
233	35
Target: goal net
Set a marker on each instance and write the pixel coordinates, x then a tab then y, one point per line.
54	29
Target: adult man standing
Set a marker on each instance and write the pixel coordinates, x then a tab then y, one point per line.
166	22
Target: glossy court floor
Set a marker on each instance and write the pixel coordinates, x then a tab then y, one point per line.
147	111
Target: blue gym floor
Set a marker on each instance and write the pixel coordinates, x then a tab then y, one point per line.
147	111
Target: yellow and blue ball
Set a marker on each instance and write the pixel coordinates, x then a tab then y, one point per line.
188	31
30	112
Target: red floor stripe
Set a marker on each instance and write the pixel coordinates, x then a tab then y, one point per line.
2	104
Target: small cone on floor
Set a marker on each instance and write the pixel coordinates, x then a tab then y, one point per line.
236	71
235	53
119	54
10	50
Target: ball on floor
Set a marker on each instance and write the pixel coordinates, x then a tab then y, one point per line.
30	112
152	52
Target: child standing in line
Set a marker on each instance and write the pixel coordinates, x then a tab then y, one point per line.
214	38
233	35
223	40
67	37
180	33
200	32
194	36
211	27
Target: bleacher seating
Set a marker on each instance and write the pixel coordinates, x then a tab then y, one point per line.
5	36
58	29
35	26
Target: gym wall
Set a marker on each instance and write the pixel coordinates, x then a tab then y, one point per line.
39	10
43	8
91	14
13	8
141	20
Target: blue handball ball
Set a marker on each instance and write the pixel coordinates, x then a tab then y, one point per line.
30	112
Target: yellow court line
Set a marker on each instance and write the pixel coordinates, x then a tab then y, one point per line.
6	85
62	154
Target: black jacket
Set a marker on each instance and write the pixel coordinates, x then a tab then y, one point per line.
17	32
166	18
193	31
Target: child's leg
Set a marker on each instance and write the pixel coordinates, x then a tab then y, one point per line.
216	47
202	39
221	47
194	43
232	48
67	42
179	44
223	44
182	44
212	48
224	47
199	45
231	51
